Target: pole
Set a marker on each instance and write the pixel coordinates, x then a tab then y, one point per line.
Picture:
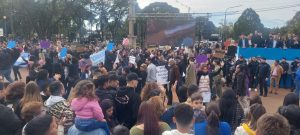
131	21
225	19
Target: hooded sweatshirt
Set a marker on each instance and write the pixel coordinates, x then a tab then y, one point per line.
87	109
127	105
53	100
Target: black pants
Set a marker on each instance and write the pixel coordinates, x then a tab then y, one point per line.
263	86
17	72
293	86
283	80
253	81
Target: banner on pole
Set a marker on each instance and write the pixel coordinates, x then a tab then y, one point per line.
11	44
201	59
45	44
162	75
98	57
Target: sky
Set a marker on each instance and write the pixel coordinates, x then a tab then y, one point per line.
280	12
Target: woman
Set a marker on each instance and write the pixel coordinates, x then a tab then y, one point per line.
31	94
190	77
231	110
30	110
43	125
249	127
292	114
13	93
147	90
43	81
148	122
107	107
212	126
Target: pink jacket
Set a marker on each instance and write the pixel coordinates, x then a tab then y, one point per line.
86	109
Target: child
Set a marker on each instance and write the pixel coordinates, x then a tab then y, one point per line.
198	107
89	115
108	108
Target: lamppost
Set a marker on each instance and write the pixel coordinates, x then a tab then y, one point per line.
4	17
225	21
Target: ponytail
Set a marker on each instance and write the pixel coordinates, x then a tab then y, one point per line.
212	123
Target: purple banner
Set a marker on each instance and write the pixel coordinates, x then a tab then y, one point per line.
201	59
45	44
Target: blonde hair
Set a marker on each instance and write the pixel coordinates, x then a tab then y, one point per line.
32	93
83	88
30	110
147	89
158	105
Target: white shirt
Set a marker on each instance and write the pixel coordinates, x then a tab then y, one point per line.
274	43
175	132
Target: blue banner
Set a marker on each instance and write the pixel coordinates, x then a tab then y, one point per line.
98	57
269	53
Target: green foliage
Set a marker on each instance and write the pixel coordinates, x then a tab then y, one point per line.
247	23
160	7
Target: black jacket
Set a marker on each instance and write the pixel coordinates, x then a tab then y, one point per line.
264	70
106	94
239	86
127	105
294	66
10	124
285	66
253	68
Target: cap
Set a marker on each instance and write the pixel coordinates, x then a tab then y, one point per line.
131	77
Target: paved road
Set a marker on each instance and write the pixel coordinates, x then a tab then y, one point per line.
272	102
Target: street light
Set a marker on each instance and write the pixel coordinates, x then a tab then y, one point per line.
225	21
4	17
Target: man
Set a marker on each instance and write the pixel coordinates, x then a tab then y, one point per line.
286	68
294	67
128	102
256	39
243	43
174	75
276	72
183	117
151	71
58	106
263	76
289	42
275	42
7	58
253	68
240	61
272	124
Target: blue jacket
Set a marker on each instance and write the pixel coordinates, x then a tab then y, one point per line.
200	128
297	78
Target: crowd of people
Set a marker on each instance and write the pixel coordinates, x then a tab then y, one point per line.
257	40
118	97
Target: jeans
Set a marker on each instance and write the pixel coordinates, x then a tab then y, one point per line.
297	90
263	86
90	125
283	80
6	73
17	72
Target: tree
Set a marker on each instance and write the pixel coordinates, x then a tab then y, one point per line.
293	25
160	7
247	23
204	28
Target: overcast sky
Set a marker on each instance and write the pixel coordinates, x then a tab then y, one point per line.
274	18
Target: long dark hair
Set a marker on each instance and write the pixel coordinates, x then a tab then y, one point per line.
227	104
256	111
148	117
213	112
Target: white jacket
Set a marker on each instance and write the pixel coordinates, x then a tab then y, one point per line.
174	132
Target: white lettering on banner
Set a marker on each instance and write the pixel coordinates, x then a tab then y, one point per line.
98	57
132	59
162	75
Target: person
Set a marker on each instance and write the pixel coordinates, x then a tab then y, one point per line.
142	73
190	91
255	99
231	110
174	75
297	81
240	87
183	117
89	115
286	68
127	102
43	81
275	42
292	114
31	94
263	76
108	108
212	126
102	91
249	127
151	71
190	77
147	121
253	68
10	124
120	130
294	67
8	57
243	42
148	90
290	99
204	84
272	124
198	107
31	110
276	72
13	93
217	83
59	107
85	64
43	125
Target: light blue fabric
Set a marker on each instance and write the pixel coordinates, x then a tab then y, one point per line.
74	131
